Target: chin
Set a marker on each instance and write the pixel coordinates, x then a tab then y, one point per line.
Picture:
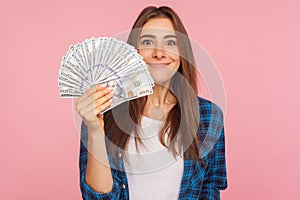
162	80
162	77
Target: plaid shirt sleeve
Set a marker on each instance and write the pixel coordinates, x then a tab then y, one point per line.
215	179
87	192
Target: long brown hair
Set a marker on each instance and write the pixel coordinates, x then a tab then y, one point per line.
182	122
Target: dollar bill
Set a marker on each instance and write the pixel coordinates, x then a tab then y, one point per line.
133	86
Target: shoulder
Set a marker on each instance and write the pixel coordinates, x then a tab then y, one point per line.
209	111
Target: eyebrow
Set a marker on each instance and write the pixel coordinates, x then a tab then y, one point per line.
152	36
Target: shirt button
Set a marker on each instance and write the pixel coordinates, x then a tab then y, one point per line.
123	186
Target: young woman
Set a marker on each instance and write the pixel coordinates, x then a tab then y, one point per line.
167	145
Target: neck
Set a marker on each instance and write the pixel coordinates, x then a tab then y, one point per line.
159	103
161	96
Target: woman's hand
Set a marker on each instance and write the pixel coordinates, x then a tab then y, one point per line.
91	103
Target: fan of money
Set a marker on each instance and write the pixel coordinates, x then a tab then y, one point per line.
108	61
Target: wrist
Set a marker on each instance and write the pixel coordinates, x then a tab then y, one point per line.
95	130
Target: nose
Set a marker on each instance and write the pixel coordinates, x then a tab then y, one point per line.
158	53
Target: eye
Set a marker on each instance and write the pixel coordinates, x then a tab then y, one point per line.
146	42
171	42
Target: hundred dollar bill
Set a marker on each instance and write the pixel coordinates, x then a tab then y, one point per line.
133	86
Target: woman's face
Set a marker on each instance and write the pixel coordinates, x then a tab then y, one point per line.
158	46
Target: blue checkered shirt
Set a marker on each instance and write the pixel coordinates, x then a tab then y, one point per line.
198	182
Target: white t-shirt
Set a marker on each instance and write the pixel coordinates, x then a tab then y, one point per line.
152	171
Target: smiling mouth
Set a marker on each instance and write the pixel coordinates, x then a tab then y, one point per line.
158	65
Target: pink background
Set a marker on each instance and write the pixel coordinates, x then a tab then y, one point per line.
255	45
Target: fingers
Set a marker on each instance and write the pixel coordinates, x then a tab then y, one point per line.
99	103
99	96
102	106
93	101
86	94
90	112
92	90
91	95
102	98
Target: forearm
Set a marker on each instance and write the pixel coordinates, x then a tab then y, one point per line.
98	173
